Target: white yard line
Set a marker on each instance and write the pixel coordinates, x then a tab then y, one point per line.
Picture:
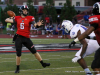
41	69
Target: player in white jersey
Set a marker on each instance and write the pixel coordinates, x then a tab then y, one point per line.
89	46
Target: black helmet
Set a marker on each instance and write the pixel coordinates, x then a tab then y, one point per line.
96	8
22	8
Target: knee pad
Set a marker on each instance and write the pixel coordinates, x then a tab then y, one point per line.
33	50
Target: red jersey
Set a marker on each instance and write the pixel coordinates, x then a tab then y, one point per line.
23	25
47	19
96	20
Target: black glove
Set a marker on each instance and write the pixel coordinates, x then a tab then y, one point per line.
72	43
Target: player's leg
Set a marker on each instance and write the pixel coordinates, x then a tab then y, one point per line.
18	45
82	62
31	47
96	63
92	47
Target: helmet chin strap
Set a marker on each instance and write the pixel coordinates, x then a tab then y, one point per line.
24	14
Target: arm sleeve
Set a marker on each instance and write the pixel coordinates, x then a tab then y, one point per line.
94	21
33	22
15	20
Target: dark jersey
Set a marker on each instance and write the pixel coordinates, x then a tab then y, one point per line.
95	22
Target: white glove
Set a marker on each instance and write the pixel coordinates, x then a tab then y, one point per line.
75	59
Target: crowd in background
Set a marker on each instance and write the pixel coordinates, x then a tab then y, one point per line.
49	28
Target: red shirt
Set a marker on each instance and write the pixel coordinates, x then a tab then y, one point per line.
47	19
96	20
23	25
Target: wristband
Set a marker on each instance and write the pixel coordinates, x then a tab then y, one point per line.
76	40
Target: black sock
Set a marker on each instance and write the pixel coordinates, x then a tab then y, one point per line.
17	67
41	61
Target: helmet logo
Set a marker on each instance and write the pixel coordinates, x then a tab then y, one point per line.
25	6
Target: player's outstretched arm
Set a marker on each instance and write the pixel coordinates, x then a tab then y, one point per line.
9	20
81	37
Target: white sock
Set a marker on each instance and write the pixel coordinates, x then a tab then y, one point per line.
87	70
97	74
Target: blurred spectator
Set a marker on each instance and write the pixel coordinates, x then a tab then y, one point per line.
86	17
8	28
74	20
12	29
59	26
47	23
1	27
51	26
33	30
39	18
51	30
78	12
86	20
64	34
50	19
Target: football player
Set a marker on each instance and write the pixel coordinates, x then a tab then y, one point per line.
88	46
24	22
94	22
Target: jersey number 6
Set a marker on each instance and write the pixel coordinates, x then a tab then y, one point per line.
21	25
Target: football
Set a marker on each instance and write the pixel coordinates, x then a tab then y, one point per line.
11	13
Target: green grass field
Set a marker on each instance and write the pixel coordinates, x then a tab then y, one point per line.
60	64
37	41
60	61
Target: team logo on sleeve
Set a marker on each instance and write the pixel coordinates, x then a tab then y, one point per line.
33	18
73	33
93	19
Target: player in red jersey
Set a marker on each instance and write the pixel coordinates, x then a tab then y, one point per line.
23	30
94	26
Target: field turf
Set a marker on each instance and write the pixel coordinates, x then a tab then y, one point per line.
61	64
37	41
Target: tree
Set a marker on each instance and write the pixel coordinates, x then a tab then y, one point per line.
11	2
13	8
29	2
31	8
49	9
68	11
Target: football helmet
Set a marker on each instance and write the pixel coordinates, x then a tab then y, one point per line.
67	25
96	8
22	8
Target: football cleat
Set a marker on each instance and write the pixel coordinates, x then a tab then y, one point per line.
17	71
45	64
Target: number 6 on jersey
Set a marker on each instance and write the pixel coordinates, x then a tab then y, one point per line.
21	25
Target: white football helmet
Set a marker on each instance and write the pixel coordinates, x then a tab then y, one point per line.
67	25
